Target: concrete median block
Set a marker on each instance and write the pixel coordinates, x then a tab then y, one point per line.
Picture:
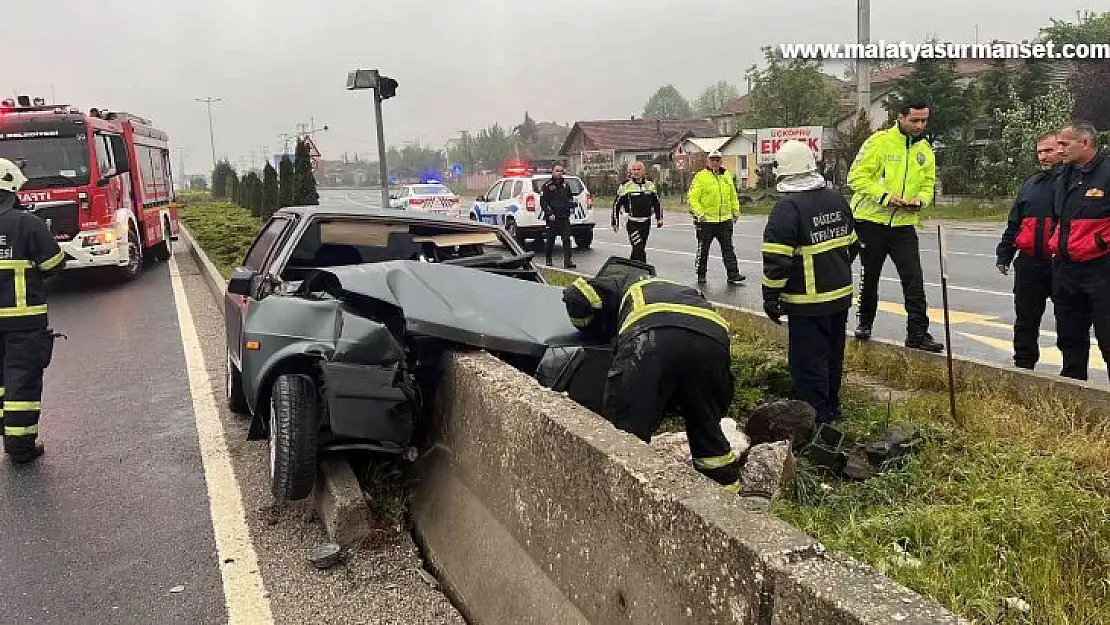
215	282
340	502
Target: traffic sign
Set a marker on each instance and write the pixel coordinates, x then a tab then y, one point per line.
312	151
315	163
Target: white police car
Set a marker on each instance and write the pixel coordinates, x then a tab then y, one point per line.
513	202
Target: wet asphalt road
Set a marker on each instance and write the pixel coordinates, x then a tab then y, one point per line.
115	514
980	299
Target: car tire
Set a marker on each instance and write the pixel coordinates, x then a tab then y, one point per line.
583	241
294	432
233	387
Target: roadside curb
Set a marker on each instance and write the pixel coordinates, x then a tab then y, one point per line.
337	496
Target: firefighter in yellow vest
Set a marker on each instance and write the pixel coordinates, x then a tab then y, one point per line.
670	347
28	253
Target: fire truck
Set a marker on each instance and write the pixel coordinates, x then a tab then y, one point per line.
101	180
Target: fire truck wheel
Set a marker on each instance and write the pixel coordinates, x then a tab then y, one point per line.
236	399
135	257
164	250
294	430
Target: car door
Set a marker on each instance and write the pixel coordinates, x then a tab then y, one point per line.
484	206
256	259
504	200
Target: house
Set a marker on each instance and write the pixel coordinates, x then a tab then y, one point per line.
608	145
737	151
730	119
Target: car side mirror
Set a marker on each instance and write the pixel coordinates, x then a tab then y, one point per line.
242	281
480	198
103	182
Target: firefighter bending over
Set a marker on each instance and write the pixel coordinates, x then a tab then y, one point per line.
28	253
638	198
671	347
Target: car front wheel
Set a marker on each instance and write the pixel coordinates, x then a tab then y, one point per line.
294	431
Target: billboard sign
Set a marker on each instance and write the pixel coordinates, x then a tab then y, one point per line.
768	140
597	161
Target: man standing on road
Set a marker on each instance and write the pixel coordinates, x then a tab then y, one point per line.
809	245
715	206
1028	231
671	347
638	198
556	204
28	253
893	178
1081	246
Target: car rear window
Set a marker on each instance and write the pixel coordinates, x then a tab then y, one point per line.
430	189
576	185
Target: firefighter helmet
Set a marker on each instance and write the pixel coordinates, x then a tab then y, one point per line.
794	157
11	178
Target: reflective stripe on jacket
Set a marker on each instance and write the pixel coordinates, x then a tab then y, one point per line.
891	163
639	199
712	196
656	302
28	253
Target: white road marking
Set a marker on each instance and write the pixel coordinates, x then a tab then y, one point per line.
244	591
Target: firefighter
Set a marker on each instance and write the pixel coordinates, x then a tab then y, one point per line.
670	347
809	245
893	178
28	253
715	206
556	204
1028	230
1081	247
638	198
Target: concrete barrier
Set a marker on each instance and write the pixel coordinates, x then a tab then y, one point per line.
533	509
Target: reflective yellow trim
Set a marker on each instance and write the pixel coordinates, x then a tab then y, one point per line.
810	274
26	311
581	322
52	262
636	290
775	284
715	462
587	290
1	391
15	264
11	430
678	309
831	244
22	406
777	248
733	488
20	289
818	298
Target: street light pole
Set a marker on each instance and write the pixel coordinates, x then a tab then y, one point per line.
211	134
382	169
384	88
863	65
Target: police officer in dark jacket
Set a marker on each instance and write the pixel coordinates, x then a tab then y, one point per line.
808	248
671	346
639	198
1081	246
556	204
1028	231
28	253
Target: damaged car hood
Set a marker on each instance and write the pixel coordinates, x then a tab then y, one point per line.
466	305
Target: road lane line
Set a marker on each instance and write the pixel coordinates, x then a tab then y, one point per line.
244	591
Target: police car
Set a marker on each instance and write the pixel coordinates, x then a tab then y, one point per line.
429	196
513	202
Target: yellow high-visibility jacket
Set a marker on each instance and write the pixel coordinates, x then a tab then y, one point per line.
712	196
891	163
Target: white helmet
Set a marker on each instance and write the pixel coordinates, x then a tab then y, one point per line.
794	157
714	154
11	178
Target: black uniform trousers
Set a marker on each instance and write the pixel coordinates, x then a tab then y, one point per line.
637	237
25	355
558	226
664	368
1081	298
815	357
901	245
1032	290
722	233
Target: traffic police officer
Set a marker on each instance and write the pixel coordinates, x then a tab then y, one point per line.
28	253
670	346
808	248
715	206
1028	231
556	203
638	198
893	178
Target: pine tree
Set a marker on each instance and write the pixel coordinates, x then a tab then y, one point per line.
286	181
233	187
933	81
269	191
304	183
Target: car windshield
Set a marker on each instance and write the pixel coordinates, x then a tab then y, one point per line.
431	189
49	161
576	185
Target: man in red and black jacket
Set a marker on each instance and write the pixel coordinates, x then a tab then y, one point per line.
1081	246
1028	232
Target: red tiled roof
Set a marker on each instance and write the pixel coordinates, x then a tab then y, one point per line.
964	67
640	134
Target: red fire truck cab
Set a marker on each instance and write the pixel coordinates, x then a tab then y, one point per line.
102	181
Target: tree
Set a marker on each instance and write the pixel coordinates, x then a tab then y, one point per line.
198	183
933	81
848	143
790	92
270	199
232	186
994	87
1088	84
304	183
668	103
221	176
715	97
286	176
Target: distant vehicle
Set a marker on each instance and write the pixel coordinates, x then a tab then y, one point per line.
513	202
102	182
430	197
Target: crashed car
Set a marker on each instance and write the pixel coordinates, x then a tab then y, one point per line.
337	319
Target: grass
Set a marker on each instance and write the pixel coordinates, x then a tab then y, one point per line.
224	230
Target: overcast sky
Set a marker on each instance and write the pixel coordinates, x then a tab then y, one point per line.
460	65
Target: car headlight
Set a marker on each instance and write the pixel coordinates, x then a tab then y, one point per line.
107	236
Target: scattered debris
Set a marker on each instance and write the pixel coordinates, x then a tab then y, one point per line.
177	589
787	419
1017	604
429	578
325	555
675	444
769	470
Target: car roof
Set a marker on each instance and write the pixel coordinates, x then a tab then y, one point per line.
381	214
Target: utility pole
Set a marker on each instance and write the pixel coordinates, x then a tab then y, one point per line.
211	134
181	160
863	65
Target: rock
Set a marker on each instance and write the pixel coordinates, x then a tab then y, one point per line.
676	445
736	438
789	419
769	469
325	555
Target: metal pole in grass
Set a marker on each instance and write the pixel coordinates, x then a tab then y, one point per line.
947	324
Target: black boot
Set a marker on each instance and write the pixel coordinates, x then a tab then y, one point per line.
23	454
924	342
863	330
